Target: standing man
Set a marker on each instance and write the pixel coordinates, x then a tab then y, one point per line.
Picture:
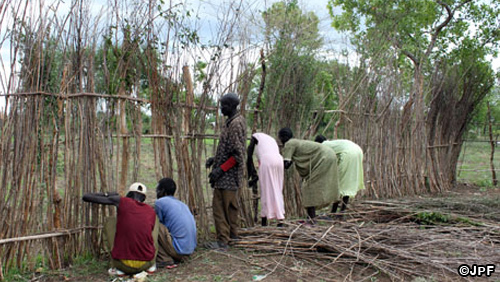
177	234
350	165
271	174
317	165
132	235
226	176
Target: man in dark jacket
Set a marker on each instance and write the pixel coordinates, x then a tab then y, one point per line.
227	173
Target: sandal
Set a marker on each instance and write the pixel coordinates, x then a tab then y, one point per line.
170	266
116	272
152	269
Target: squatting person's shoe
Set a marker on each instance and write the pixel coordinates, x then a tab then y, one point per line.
116	272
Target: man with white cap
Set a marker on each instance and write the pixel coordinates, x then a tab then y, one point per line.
133	234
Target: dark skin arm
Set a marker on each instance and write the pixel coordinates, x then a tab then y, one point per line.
250	166
252	172
284	138
111	198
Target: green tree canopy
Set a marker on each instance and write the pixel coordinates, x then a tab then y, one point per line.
285	21
293	39
441	49
419	29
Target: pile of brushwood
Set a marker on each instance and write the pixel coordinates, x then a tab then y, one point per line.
402	240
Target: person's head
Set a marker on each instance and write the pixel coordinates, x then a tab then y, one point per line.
137	191
320	139
166	187
285	134
229	104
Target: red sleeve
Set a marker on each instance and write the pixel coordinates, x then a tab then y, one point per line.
228	164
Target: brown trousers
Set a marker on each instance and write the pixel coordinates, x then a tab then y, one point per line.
166	250
225	212
109	233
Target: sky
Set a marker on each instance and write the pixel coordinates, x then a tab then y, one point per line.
209	10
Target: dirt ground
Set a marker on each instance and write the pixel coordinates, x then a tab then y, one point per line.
238	264
231	265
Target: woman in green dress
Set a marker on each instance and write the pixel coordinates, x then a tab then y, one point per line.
350	166
317	165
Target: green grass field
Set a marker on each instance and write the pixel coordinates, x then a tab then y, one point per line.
474	164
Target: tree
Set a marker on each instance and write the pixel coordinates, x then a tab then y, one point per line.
285	21
478	127
293	39
420	32
436	43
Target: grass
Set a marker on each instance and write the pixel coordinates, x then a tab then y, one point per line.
84	265
474	164
147	169
438	218
15	275
87	265
432	218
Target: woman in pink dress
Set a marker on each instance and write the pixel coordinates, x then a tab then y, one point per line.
271	174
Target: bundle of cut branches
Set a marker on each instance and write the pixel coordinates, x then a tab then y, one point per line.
399	242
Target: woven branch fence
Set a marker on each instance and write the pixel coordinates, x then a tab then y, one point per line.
51	156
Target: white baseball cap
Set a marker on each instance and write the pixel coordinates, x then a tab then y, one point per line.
138	187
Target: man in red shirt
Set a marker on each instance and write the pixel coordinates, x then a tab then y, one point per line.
133	234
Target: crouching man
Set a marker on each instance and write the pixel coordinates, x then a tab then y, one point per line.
132	234
177	232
